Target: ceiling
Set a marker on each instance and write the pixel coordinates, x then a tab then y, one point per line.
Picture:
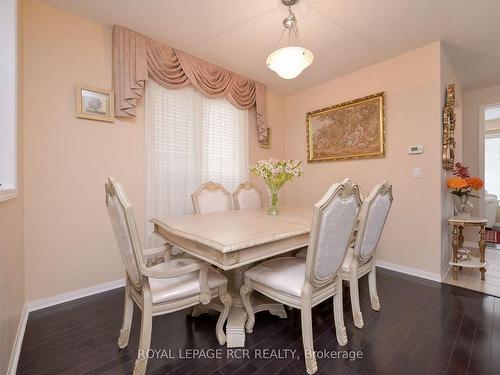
344	35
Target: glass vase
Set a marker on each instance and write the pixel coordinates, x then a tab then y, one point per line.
274	201
463	206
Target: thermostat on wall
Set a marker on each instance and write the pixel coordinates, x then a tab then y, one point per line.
414	150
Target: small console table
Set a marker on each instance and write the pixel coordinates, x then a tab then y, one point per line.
457	245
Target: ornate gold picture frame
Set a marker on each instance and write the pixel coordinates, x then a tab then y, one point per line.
350	130
448	152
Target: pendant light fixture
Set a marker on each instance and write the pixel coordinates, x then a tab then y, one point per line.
289	61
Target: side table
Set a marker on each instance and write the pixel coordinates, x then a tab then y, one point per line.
457	243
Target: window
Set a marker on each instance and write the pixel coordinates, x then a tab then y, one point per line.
8	98
190	140
492	163
492	149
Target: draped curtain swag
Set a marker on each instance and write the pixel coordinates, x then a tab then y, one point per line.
137	58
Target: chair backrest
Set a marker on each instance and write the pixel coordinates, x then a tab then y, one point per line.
247	196
372	217
123	222
211	197
333	223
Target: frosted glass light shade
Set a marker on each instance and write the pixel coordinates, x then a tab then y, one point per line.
289	62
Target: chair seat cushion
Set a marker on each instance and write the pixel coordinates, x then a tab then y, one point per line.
184	286
286	275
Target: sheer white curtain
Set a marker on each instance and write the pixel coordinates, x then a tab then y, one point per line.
190	139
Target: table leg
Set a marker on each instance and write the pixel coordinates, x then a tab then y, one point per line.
235	326
460	237
460	241
455	245
482	249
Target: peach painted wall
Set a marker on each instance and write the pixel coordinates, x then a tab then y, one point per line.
68	239
412	85
11	249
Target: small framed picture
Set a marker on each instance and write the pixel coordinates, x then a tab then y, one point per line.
94	104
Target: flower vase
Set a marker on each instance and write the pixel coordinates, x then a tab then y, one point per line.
274	201
463	206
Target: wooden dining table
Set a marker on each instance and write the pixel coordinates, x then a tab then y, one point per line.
233	241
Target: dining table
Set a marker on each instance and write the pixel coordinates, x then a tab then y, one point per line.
233	241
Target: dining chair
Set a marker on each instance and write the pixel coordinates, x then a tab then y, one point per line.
211	197
162	287
246	196
360	259
305	282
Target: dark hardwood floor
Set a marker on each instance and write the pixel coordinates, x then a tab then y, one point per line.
423	327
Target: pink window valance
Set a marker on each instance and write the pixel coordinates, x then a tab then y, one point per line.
137	58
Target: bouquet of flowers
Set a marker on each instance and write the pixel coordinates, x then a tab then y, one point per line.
461	186
275	174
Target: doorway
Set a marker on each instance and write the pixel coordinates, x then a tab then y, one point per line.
489	168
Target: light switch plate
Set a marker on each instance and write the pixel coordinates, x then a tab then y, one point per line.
416	172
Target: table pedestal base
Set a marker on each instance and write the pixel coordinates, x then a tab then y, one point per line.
235	326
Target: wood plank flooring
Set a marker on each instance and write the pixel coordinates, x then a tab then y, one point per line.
423	327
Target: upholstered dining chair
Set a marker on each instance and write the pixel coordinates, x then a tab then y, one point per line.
160	288
246	196
211	197
359	259
305	282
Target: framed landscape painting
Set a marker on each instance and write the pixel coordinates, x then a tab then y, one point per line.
350	130
94	104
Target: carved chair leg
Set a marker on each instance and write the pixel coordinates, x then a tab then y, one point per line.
307	334
338	315
245	292
219	330
372	285
145	340
356	309
128	312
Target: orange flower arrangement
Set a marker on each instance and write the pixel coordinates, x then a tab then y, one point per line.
462	183
475	183
457	183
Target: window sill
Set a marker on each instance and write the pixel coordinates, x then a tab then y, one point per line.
7	193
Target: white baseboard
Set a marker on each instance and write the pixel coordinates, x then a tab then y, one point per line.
18	342
410	271
76	294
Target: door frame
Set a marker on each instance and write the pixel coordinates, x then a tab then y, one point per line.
481	161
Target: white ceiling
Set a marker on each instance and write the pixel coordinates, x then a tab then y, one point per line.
344	35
